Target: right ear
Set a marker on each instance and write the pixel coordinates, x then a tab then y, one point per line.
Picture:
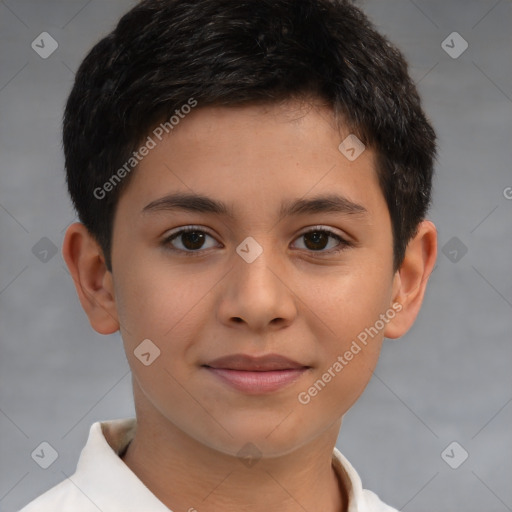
93	281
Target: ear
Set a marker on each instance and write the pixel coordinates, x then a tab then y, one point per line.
410	281
93	281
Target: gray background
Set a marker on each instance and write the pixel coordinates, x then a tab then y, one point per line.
447	380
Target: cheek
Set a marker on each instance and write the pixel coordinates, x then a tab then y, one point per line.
157	300
161	304
347	356
350	302
350	306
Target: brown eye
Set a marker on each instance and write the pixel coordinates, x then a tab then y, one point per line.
192	240
317	240
188	240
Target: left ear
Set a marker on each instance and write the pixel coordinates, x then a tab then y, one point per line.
93	281
410	281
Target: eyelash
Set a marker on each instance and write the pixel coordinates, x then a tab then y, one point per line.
343	244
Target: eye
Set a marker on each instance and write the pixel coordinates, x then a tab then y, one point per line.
318	238
191	239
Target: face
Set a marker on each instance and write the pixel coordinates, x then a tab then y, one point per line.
288	255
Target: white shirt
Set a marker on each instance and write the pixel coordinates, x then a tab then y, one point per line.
103	482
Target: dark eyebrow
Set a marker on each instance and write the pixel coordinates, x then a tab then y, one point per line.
331	203
190	202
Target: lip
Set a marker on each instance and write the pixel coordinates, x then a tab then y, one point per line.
248	363
256	375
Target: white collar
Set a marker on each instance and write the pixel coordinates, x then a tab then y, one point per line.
115	487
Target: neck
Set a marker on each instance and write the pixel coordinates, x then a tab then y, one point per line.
186	475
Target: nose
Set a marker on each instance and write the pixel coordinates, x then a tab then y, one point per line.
256	294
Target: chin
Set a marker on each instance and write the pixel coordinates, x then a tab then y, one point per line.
273	439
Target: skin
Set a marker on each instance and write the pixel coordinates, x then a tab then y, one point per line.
297	299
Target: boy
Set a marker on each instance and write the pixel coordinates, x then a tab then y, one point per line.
252	179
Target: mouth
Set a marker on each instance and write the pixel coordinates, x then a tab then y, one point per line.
256	375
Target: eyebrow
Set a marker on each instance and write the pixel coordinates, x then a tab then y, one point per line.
331	203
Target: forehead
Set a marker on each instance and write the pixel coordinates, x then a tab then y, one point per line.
252	156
